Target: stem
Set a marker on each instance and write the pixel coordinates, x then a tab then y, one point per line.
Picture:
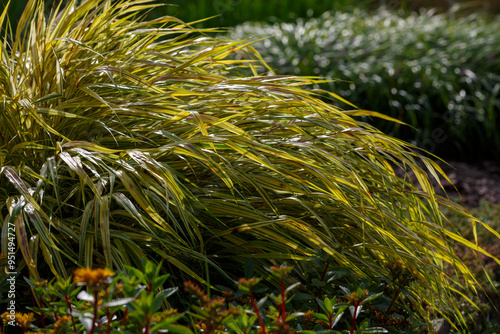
124	321
41	314
208	328
71	313
96	294
107	311
393	300
353	321
109	320
55	314
320	290
252	298
146	328
283	306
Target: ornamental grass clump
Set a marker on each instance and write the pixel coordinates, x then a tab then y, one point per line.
124	139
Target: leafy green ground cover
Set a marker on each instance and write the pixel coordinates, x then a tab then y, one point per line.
438	74
136	301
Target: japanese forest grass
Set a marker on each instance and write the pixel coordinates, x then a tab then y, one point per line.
123	140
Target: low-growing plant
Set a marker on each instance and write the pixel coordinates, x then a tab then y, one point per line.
97	301
100	301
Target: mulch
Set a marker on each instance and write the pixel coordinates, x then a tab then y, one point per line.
471	183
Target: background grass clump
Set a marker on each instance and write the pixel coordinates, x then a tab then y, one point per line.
124	139
437	73
224	13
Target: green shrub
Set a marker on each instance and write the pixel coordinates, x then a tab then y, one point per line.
123	140
438	74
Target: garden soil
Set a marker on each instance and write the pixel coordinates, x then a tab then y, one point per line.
471	183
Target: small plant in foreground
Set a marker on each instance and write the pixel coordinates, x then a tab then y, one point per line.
210	314
99	301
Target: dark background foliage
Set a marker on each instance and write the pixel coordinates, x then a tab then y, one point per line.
234	12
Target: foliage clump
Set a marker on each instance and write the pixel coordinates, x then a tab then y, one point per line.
136	301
